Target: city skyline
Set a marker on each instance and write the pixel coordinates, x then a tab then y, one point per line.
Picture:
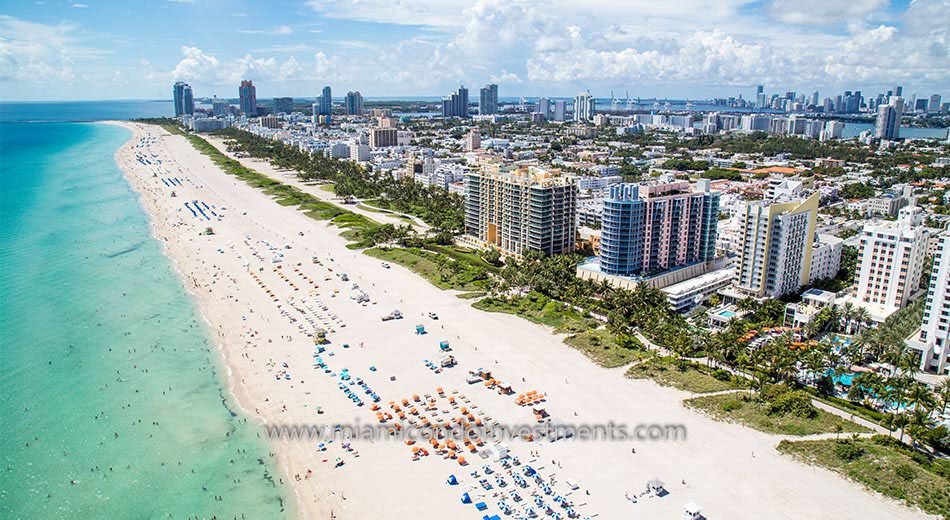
555	49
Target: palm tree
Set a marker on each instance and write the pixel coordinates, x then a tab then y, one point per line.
943	395
847	313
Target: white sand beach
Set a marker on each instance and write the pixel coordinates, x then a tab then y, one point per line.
261	310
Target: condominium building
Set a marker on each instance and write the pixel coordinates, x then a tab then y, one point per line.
473	141
456	104
184	99
560	110
825	257
583	107
652	228
248	97
891	258
521	208
888	123
776	247
354	104
380	137
488	100
933	338
325	104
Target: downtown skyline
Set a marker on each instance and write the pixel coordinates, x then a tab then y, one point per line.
95	50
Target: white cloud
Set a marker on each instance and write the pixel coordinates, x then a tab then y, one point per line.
822	11
282	30
182	1
38	53
202	68
80	6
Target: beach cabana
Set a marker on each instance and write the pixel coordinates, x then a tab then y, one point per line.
452	481
444	346
692	511
466	499
420	329
656	486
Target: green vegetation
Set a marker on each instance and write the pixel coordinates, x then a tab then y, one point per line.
883	465
690	377
856	190
607	350
540	309
722	173
439	269
685	165
786	413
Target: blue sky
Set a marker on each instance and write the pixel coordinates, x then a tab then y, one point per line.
96	49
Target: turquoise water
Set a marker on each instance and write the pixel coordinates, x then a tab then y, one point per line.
112	402
61	111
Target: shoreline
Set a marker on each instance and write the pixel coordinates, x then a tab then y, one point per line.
709	460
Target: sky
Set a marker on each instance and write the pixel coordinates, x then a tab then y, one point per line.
136	49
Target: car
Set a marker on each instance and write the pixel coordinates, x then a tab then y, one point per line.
433	315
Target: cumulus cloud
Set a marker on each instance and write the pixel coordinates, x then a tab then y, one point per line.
40	53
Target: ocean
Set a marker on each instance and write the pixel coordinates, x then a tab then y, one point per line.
112	396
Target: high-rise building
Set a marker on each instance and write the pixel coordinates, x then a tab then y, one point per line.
583	107
380	137
220	107
283	105
488	100
898	91
888	123
473	141
891	256
653	228
183	98
934	105
517	209
248	98
326	102
354	103
560	110
814	98
776	247
544	107
456	104
932	340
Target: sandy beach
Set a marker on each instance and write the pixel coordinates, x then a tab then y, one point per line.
268	276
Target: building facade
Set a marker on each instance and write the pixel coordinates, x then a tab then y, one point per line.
325	104
456	104
488	100
933	338
248	98
776	247
583	107
888	122
184	99
381	137
653	228
891	258
520	209
354	104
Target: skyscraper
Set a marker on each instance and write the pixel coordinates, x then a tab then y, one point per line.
776	247
933	105
583	107
283	105
220	107
354	103
488	100
183	99
888	123
544	107
521	209
932	340
898	91
456	104
652	228
248	98
326	102
560	110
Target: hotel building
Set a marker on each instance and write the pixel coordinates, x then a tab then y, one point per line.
933	338
653	228
521	208
776	247
891	257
